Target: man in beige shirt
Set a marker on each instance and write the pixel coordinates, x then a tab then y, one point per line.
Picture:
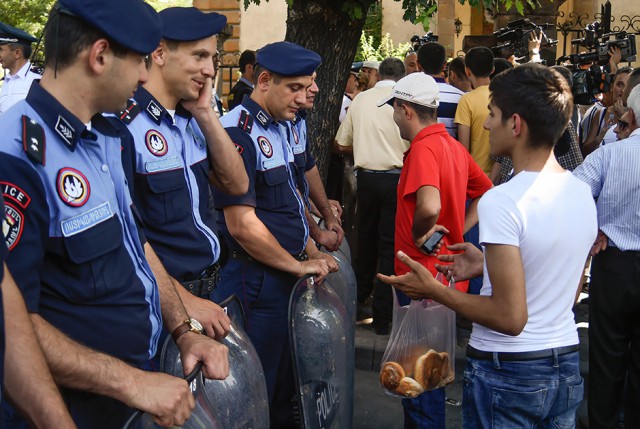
370	133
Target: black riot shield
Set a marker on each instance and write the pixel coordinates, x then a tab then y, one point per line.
319	331
240	401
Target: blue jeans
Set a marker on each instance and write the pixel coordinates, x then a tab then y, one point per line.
426	411
543	393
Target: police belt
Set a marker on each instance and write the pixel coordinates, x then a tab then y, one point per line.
522	356
244	256
206	283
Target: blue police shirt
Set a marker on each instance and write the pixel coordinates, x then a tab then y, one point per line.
269	161
297	134
3	256
75	250
168	166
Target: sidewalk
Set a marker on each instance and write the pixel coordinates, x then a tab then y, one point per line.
374	409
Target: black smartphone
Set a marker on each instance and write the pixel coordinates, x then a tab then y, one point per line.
431	243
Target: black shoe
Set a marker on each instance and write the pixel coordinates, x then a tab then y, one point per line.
363	312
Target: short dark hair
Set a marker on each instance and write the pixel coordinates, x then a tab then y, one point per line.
621	70
391	68
24	48
541	96
479	60
432	57
246	58
66	36
259	69
424	113
456	65
565	72
500	65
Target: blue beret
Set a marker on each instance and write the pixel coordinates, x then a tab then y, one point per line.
132	23
288	59
9	34
185	24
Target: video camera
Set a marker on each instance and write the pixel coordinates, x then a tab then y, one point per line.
417	41
514	38
587	83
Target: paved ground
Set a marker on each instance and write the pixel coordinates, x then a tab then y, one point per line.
374	409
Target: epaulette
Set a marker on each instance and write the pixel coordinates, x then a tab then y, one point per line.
33	140
37	69
245	122
129	114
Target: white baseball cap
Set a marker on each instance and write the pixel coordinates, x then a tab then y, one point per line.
418	88
371	64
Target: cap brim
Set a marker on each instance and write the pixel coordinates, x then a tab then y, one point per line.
387	100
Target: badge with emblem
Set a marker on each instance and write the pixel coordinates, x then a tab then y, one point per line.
265	146
11	225
73	187
156	143
65	130
296	139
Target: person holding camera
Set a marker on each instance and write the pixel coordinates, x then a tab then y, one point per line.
536	230
437	178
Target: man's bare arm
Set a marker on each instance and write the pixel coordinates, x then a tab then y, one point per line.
426	214
464	136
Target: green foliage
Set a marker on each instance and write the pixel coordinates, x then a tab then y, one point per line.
368	51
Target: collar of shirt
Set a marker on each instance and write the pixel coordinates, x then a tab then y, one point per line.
427	131
384	83
258	112
635	132
439	79
154	109
66	125
245	80
301	115
20	74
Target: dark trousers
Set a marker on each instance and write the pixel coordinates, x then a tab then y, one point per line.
614	338
376	217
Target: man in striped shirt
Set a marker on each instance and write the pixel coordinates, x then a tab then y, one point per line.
432	58
613	174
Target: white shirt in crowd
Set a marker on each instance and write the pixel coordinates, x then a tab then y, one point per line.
16	87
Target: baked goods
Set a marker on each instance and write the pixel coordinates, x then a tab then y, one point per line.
409	387
430	371
391	375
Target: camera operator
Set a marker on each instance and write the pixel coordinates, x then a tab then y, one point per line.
607	118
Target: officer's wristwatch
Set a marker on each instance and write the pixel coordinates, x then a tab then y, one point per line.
189	325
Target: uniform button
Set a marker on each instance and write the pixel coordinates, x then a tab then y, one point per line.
105	168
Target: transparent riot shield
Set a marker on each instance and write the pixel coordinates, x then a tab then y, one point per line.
239	401
319	331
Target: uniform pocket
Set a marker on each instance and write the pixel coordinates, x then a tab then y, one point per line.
277	190
169	199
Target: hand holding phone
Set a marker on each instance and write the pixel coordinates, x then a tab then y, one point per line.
430	244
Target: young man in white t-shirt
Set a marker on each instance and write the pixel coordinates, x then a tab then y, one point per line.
536	230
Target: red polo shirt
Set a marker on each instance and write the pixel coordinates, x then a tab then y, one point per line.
436	159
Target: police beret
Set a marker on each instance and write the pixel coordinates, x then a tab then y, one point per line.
185	24
132	23
288	59
9	34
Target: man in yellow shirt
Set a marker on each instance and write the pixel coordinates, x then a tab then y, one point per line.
472	108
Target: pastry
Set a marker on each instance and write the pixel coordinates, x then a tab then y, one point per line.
391	374
428	369
409	387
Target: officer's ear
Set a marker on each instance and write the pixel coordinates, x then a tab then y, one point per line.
98	53
264	79
160	54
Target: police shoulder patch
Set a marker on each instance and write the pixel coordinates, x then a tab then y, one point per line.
33	140
245	122
130	113
12	225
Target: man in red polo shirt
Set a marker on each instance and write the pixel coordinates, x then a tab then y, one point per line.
438	177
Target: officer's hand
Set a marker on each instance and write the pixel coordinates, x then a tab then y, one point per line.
337	209
201	105
332	264
211	316
196	348
326	238
334	225
168	399
465	265
315	267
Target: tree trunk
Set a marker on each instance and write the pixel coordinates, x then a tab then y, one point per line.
321	25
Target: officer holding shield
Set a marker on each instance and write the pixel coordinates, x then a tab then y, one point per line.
91	283
265	229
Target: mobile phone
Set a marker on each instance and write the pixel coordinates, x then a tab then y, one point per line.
431	243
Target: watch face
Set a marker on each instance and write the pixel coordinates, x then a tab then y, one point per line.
195	325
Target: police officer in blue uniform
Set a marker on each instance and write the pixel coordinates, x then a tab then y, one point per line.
27	381
75	249
309	180
176	147
265	229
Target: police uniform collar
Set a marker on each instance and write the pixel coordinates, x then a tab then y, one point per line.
150	105
64	123
258	112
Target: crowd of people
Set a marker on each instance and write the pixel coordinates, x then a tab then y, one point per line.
133	205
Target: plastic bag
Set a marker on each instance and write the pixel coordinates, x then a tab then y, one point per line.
420	354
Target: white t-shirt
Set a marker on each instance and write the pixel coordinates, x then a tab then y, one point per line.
551	217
